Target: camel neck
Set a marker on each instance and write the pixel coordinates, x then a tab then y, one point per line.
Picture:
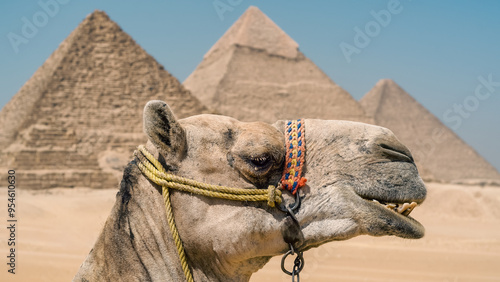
136	242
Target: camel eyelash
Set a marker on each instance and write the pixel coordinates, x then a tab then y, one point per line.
261	162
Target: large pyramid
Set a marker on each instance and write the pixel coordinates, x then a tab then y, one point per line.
256	72
78	118
439	153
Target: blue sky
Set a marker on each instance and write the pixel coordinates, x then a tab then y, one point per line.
438	51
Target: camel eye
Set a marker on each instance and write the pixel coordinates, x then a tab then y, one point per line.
257	166
261	161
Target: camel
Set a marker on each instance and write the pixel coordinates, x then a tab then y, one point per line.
360	181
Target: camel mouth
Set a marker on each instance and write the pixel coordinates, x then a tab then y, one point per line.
403	209
396	218
389	206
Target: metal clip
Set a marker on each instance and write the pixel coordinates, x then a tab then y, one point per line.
291	208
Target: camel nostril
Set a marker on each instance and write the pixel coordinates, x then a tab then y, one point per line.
397	154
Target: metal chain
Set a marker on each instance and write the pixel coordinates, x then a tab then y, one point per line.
298	263
297	267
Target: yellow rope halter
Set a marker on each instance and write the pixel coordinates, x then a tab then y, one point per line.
153	170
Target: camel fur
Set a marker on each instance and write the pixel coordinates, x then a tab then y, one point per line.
348	165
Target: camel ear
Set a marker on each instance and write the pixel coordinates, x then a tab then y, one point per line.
163	129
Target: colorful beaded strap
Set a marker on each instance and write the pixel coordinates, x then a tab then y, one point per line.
295	152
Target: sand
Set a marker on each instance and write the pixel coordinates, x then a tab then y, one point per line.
57	228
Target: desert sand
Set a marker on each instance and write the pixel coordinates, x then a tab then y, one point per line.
58	227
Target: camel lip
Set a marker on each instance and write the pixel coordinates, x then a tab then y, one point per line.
413	191
389	200
413	228
392	200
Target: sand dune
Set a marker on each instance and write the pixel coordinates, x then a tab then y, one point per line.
58	227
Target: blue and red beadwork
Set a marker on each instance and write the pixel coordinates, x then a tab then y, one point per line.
292	178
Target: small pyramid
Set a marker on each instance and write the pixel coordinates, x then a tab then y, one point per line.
439	153
255	71
77	120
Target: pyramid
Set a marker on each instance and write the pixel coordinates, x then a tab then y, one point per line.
439	153
77	120
255	71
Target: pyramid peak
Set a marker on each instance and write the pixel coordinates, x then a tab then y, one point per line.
389	84
384	89
387	87
253	9
98	12
256	30
96	16
386	81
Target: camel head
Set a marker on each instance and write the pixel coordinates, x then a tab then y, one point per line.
359	178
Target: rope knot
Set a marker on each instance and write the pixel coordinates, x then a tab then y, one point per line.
274	196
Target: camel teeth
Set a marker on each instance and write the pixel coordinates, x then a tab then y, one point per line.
409	208
406	208
391	206
400	209
403	209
